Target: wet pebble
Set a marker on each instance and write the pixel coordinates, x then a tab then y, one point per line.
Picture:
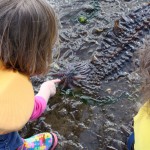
76	104
71	122
109	124
88	8
109	90
82	126
125	130
97	31
63	112
111	130
100	16
119	145
133	77
111	148
70	135
54	106
104	110
137	62
111	117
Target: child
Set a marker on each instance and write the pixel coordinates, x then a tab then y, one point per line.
28	31
141	136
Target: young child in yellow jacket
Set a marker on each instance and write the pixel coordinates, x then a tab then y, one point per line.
141	136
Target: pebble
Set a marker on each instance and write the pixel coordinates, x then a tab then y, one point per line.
63	112
88	8
109	90
133	77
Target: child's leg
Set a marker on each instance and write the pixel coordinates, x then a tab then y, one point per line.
130	142
10	141
43	141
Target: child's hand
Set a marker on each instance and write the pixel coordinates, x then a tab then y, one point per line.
50	86
48	89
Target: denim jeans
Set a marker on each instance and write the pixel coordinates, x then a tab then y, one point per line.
10	141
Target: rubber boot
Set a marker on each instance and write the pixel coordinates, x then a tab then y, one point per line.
43	141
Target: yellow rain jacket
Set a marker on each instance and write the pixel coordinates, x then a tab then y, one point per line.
16	100
142	128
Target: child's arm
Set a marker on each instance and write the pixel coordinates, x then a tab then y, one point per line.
47	90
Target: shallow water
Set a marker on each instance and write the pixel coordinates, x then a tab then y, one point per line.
83	124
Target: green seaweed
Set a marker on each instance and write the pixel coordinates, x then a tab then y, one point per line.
82	19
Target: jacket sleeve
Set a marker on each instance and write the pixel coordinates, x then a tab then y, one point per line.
39	107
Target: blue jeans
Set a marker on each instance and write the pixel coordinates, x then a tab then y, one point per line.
130	142
10	141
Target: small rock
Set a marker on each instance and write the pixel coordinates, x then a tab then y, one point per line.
125	130
109	124
76	104
88	8
111	148
111	117
63	112
82	126
97	31
55	66
109	90
133	77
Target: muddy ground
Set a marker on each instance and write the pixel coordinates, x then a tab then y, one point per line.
82	124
